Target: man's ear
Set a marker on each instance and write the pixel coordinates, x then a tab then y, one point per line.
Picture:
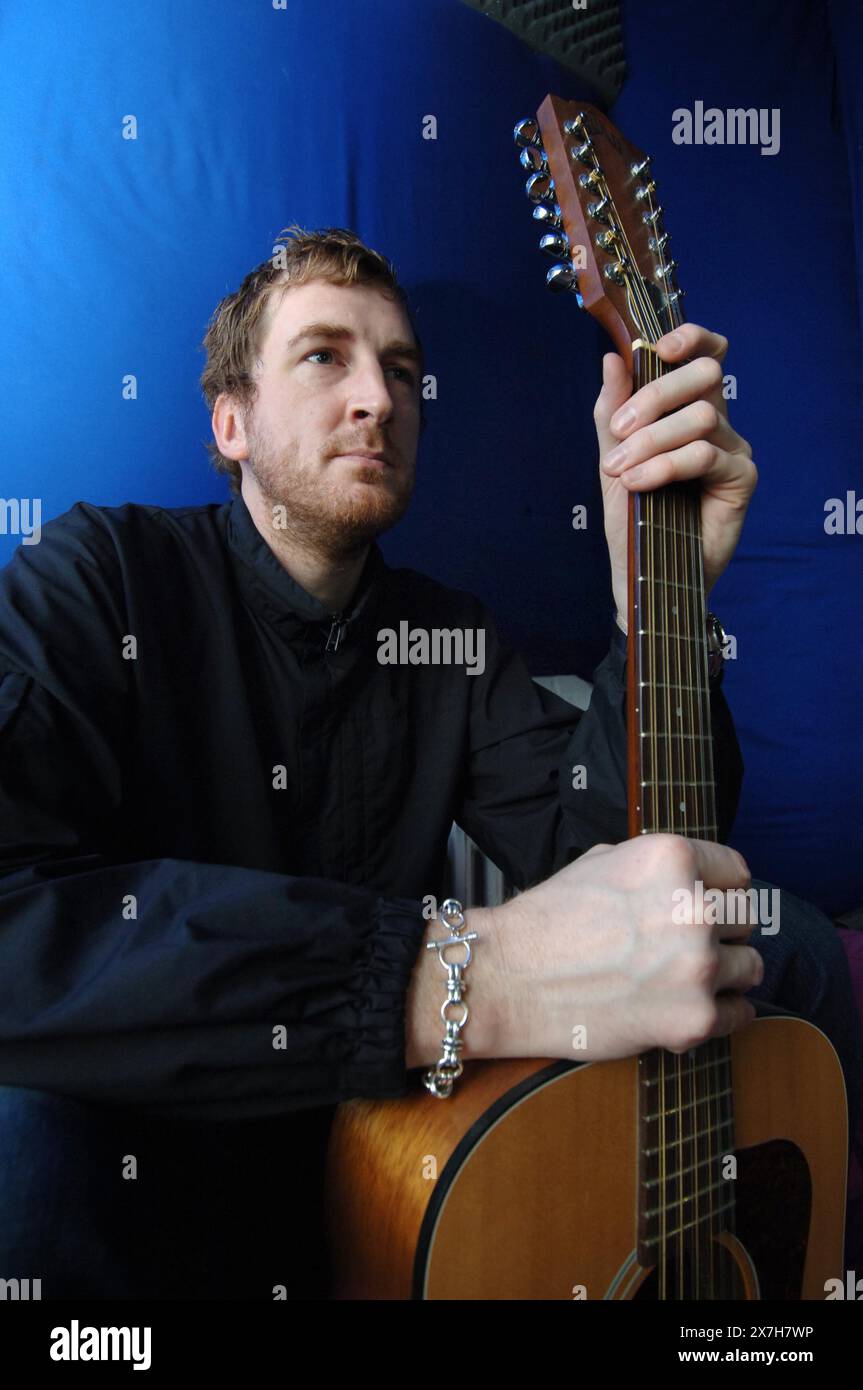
229	431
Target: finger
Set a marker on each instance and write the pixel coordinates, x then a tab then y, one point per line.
616	388
700	459
741	968
733	1012
690	382
719	866
691	340
699	420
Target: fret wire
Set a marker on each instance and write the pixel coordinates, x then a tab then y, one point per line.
720	1185
687	1226
682	1172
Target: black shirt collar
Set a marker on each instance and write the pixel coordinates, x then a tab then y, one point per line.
269	585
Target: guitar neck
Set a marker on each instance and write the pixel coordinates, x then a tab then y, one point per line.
671	781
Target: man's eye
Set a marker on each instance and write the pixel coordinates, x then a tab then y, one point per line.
404	372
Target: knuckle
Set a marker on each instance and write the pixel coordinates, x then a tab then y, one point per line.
709	370
676	854
756	971
705	968
703	453
707	416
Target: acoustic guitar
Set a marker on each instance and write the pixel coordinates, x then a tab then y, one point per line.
719	1173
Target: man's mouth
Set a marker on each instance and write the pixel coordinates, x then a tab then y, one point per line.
367	456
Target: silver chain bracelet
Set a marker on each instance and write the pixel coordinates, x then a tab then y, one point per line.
448	1069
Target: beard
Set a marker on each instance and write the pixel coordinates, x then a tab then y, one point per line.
329	505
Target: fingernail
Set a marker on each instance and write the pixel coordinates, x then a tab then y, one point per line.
638	472
623	419
615	460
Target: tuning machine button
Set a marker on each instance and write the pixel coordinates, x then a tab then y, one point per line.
651	218
663	271
526	132
658	244
562	277
645	190
532	157
593	181
638	169
548	216
615	271
540	188
555	244
607	241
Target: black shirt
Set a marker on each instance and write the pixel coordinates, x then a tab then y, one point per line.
220	813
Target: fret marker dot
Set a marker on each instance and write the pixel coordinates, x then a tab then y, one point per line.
680	711
683	805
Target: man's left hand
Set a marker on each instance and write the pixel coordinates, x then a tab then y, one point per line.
694	440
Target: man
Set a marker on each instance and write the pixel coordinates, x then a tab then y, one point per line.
222	809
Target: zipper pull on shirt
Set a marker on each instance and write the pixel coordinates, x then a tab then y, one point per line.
338	629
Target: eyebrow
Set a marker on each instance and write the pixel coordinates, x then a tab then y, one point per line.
396	348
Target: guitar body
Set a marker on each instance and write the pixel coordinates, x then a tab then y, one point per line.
522	1185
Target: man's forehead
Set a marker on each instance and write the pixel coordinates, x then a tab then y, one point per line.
359	307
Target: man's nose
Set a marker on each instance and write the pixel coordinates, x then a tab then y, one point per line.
370	394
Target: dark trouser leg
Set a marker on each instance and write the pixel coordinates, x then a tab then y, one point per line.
58	1214
215	1210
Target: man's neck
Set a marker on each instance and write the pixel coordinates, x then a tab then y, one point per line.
331	580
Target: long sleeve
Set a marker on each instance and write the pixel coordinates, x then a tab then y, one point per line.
520	804
182	987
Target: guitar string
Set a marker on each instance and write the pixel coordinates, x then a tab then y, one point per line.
695	683
686	686
678	518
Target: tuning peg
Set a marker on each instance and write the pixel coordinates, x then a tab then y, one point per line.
548	216
663	271
638	169
678	294
562	277
658	244
645	190
607	241
555	244
576	125
533	158
651	218
599	210
615	271
583	153
540	188
592	181
526	132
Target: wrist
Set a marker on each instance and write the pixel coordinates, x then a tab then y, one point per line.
424	1026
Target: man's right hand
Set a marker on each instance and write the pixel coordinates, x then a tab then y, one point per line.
602	945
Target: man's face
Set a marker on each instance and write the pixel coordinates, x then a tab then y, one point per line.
350	384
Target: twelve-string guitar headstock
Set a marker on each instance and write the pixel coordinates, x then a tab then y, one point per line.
595	200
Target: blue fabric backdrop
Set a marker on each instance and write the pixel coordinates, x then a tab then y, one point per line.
253	115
